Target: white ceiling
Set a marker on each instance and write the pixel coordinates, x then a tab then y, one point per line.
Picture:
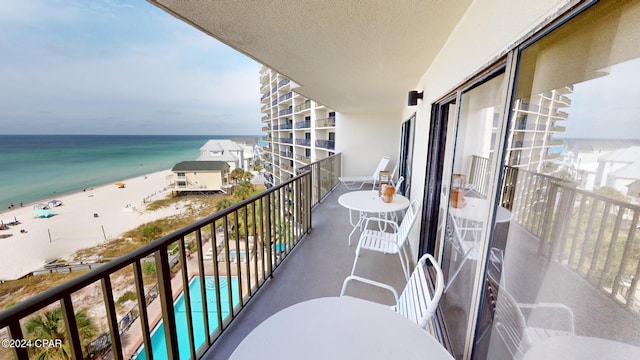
349	55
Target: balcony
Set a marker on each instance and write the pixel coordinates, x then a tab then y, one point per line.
327	122
304	106
326	144
283	82
276	279
303	124
287	154
303	159
285	111
264	229
303	142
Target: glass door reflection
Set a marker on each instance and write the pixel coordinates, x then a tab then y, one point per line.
469	203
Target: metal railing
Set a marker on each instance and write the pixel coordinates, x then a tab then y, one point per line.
326	122
591	234
326	173
267	226
326	144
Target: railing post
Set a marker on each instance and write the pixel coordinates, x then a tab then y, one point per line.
142	307
163	271
547	220
15	332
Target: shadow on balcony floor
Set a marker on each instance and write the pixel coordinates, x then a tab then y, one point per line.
315	268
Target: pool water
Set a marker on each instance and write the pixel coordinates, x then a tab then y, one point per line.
157	335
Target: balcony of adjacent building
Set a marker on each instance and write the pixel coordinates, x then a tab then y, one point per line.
326	122
306	124
301	107
287	154
303	142
326	144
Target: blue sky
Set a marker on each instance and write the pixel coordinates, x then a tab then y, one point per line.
119	67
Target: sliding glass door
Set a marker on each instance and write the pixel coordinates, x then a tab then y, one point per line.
469	201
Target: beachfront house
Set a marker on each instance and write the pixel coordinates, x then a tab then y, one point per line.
201	176
237	154
450	90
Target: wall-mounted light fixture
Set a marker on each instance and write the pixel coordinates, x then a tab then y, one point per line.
414	95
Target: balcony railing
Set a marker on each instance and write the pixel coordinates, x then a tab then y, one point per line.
303	159
326	144
283	82
266	226
303	142
285	111
286	140
327	122
593	235
303	124
304	106
286	96
326	173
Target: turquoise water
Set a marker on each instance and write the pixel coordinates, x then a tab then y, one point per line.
41	167
157	336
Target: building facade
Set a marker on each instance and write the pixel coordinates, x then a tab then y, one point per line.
204	176
298	130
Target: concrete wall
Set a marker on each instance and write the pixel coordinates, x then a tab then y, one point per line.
365	138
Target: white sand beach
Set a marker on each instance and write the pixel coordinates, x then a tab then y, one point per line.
74	227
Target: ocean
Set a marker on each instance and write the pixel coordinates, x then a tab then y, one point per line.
41	167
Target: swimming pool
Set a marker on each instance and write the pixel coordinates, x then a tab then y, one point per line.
157	335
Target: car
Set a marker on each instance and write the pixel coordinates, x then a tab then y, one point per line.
208	255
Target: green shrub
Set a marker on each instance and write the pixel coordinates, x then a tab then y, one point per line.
129	295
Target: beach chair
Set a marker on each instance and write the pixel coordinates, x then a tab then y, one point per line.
417	302
351	182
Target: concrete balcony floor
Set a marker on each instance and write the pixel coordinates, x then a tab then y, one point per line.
315	268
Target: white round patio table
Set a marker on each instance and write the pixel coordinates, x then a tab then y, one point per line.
476	209
581	347
339	328
368	201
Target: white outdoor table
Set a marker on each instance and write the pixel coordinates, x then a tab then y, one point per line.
339	328
476	210
368	201
581	347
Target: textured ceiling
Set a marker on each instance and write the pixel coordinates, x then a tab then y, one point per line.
349	55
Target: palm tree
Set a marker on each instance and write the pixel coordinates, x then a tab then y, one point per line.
223	204
244	190
236	175
247	176
50	325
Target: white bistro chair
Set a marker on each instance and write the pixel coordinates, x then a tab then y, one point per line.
418	302
388	242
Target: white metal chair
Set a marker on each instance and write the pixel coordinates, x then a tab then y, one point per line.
418	302
468	249
350	182
392	242
511	325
